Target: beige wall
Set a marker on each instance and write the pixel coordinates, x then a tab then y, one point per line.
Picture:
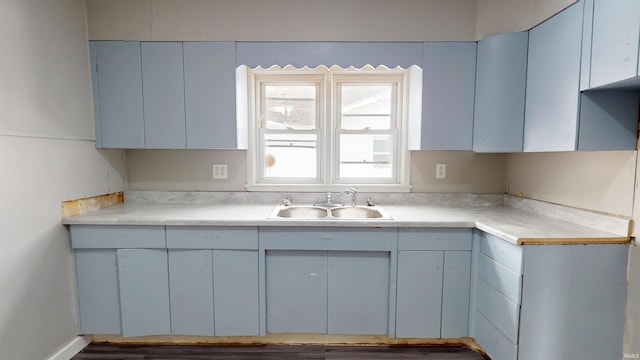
282	20
601	181
47	155
190	170
500	16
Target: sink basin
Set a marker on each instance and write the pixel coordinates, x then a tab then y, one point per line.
357	212
313	212
302	212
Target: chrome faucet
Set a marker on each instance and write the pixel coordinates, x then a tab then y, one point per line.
331	199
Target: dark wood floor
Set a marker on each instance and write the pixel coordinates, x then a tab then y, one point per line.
275	352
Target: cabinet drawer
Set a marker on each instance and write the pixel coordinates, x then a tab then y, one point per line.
502	251
117	237
206	237
434	239
357	239
493	341
500	311
500	277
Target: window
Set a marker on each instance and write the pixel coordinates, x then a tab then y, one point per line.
315	129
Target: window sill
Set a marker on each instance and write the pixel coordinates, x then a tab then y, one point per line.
369	188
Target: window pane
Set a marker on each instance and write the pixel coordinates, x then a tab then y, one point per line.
290	106
366	156
366	106
290	156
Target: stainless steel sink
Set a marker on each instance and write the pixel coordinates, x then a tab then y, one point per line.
357	212
314	212
301	212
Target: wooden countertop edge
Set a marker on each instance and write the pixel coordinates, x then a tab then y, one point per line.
573	241
80	206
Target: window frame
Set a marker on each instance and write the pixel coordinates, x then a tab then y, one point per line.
327	122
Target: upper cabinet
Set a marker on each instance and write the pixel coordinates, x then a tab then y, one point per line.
614	41
553	78
118	72
501	77
210	95
164	95
449	76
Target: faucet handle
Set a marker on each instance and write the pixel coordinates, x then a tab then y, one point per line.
286	201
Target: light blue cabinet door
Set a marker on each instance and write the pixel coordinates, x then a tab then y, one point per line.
296	291
235	279
97	286
501	78
143	276
456	282
163	95
615	39
358	293
553	81
419	298
573	302
210	96
94	91
119	78
191	292
448	75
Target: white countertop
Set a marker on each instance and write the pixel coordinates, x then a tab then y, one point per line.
510	223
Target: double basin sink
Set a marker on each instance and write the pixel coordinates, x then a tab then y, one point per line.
315	212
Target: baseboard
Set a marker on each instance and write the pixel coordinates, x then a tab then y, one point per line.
72	348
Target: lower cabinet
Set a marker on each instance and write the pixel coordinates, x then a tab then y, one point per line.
335	292
569	298
214	292
434	271
184	281
329	280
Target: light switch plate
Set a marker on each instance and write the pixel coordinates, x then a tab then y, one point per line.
441	171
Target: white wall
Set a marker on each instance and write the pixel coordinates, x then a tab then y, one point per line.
47	155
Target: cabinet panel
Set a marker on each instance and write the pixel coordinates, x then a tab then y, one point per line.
455	294
449	75
501	78
573	302
434	239
419	298
235	279
212	237
210	96
503	279
119	81
143	277
163	95
500	311
496	345
112	237
608	120
191	287
94	91
98	300
553	78
296	291
507	254
358	293
615	39
328	238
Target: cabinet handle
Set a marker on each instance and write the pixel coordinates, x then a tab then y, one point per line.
328	237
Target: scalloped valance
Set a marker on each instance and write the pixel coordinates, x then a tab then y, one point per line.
343	54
